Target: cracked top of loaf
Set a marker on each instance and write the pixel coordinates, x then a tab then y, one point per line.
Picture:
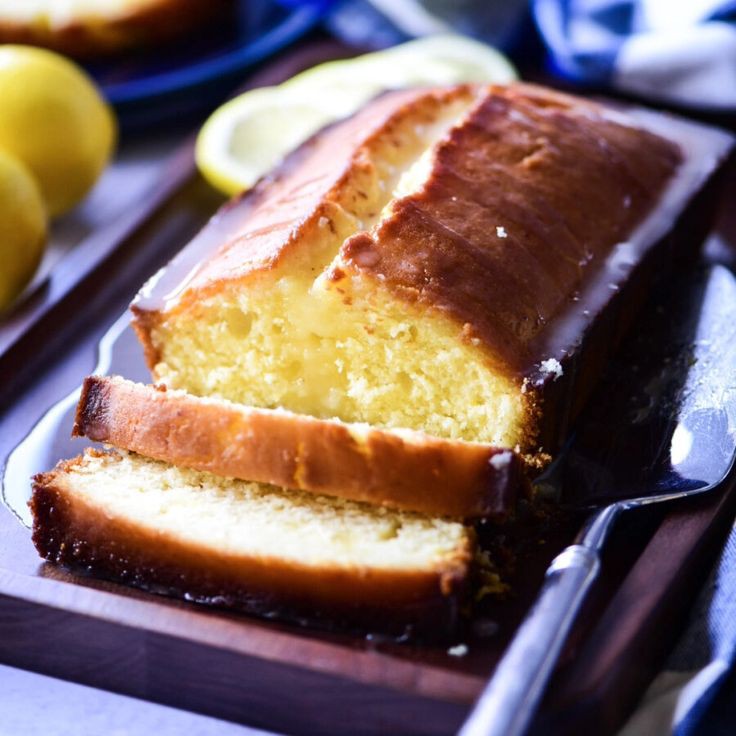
524	194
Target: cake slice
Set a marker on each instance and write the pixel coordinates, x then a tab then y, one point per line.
446	261
399	469
250	545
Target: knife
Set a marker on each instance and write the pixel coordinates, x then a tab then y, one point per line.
661	429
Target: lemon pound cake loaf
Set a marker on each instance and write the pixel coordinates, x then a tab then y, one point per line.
395	468
415	294
435	262
247	545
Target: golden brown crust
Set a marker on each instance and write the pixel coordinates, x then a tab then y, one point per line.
254	233
327	171
87	36
143	323
426	474
70	531
524	199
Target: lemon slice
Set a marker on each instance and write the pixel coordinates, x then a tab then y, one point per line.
459	58
249	135
445	59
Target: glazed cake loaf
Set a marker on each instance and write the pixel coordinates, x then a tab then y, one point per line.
395	468
441	262
249	545
432	263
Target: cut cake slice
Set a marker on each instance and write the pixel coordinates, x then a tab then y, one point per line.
250	545
394	468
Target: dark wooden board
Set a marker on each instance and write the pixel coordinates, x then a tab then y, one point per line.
282	677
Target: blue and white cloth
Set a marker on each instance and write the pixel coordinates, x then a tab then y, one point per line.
680	52
695	694
677	51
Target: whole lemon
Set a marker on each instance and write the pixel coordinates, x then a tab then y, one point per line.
54	120
22	228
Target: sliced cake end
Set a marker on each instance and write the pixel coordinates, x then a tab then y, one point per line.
249	545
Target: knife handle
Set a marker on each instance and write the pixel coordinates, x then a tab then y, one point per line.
508	702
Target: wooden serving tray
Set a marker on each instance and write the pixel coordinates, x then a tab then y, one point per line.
283	677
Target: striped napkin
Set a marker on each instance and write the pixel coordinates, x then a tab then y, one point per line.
681	52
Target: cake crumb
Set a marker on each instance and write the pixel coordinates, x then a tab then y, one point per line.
501	232
501	460
459	650
551	365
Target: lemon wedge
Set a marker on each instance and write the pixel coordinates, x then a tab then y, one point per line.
248	136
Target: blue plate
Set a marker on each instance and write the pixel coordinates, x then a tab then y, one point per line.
179	81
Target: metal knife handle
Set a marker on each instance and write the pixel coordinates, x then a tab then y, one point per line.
508	702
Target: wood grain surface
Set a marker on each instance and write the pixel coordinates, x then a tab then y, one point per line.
283	677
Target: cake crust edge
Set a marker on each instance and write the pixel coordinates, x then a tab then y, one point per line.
411	471
71	532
